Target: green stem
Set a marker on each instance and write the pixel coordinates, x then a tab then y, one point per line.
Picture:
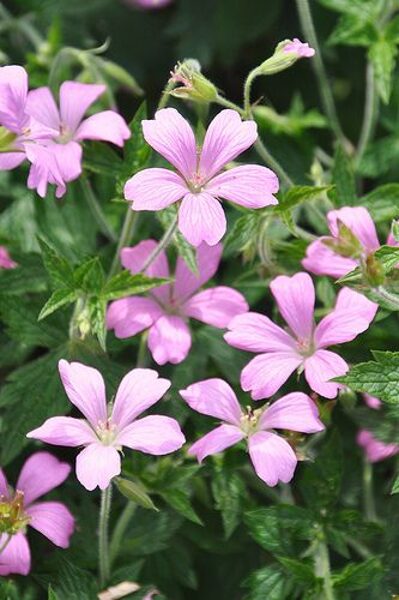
272	162
128	227
370	113
5	544
96	210
163	102
368	492
120	529
322	569
227	104
103	542
162	244
142	355
247	92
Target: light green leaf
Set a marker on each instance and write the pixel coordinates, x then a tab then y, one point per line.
383	57
125	284
379	377
59	298
269	582
344	179
357	576
135	492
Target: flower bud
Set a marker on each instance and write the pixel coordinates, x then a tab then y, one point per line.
346	243
285	55
374	271
195	86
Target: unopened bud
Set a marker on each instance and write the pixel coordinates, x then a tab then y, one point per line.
285	55
194	86
374	271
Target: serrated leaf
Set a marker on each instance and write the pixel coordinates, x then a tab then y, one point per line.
382	55
97	307
134	492
344	179
269	582
242	233
395	487
301	570
58	299
90	276
125	284
300	193
357	576
58	268
179	499
28	276
383	202
379	377
100	158
228	490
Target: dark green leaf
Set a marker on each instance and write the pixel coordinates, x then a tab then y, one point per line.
58	268
344	179
269	583
357	576
179	499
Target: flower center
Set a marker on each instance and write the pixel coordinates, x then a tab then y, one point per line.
65	135
13	517
106	432
305	346
7	138
196	183
250	420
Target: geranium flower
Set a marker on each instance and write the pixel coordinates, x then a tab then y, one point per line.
107	429
374	449
301	49
19	509
6	262
272	456
167	309
304	345
197	182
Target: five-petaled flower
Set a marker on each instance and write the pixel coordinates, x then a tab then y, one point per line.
107	429
272	456
199	182
304	345
40	474
167	309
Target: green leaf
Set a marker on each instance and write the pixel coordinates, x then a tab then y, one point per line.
357	576
383	202
228	490
179	499
301	193
135	492
395	487
125	284
269	583
380	156
184	249
29	276
51	595
58	299
344	179
359	8
301	570
382	55
101	159
379	377
243	233
89	276
58	268
353	31
97	307
74	583
293	123
387	257
137	152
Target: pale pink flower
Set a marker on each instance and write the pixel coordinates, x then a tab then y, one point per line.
374	449
304	345
148	4
167	309
6	262
301	49
197	182
372	401
40	474
105	430
272	456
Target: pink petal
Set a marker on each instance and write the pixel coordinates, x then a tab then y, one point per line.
129	316
11	160
64	431
169	340
41	106
69	159
202	219
216	306
359	221
186	282
41	473
53	520
154	434
3	484
96	465
85	388
6	261
320	368
13	92
107	126
251	186
134	258
272	457
216	441
213	397
301	49
266	373
75	99
227	137
44	169
171	135
154	189
375	449
295	297
138	390
321	260
372	401
295	411
15	558
257	333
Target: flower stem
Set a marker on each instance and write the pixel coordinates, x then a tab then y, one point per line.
103	542
163	102
370	113
322	567
368	493
142	351
120	529
162	244
247	92
129	225
96	210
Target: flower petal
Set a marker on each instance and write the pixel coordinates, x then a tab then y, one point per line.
257	333
154	189
11	160
216	306
138	390
216	441
15	558
85	388
154	434
213	397
134	259
227	137
295	297
320	368
40	105
321	260
69	159
375	450
169	340
75	99
96	465
107	126
202	219
295	411
13	92
53	520
129	316
372	401
41	473
359	221
187	282
64	431
3	484
252	186
272	457
266	373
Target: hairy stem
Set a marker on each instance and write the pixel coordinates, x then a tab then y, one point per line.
129	225
96	210
322	568
120	529
247	92
370	113
162	244
103	541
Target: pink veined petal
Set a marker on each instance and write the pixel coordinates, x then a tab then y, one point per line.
266	373
53	520
154	189
75	99
252	186
41	473
216	441
85	388
107	126
186	282
272	457
3	484
13	92
134	259
257	333
11	160
321	260
155	434
216	306
15	558
202	219
129	316
372	401
69	159
64	431
295	297
213	397
359	221
41	106
96	465
169	340
138	390
171	135
348	299
44	169
227	136
322	366
295	411
374	449
301	49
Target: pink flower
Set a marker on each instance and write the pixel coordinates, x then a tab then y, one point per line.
372	401
272	456
102	435
149	4
304	345
40	474
68	125
374	449
167	309
197	183
301	49
6	261
353	237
